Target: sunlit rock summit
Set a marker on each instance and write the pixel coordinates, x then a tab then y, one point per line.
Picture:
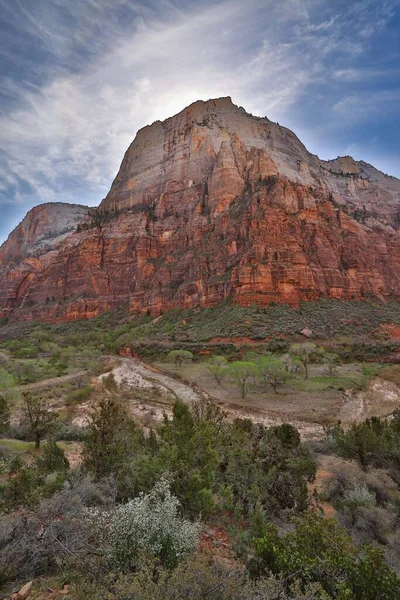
211	204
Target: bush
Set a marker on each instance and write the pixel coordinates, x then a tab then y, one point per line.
69	433
38	541
265	465
79	395
52	459
4	416
149	523
195	578
277	345
320	551
356	498
180	356
111	436
373	442
27	352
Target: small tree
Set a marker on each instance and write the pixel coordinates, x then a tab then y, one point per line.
108	437
331	361
4	415
304	352
59	362
291	364
38	416
53	459
272	371
180	356
218	367
240	372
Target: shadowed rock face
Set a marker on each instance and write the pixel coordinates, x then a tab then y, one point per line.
215	203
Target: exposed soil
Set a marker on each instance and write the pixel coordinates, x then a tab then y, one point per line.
325	472
380	398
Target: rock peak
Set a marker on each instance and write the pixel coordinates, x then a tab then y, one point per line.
212	203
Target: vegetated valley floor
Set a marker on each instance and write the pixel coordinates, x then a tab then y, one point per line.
65	361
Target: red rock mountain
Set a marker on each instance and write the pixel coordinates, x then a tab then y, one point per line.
215	203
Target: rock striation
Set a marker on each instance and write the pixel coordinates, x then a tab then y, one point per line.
210	204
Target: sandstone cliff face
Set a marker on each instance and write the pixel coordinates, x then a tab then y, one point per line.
43	229
32	246
215	203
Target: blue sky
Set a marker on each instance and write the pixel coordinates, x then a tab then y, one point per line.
79	77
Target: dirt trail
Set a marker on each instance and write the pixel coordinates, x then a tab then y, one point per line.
181	390
47	382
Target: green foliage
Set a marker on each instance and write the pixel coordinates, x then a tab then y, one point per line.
21	488
240	372
79	395
150	523
272	371
52	459
60	363
37	416
356	498
210	463
217	365
69	433
319	551
180	356
4	416
187	451
276	345
111	435
375	441
196	577
26	352
265	466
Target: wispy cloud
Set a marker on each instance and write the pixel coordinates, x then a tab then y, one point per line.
87	75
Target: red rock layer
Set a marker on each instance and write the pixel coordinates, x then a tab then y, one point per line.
211	209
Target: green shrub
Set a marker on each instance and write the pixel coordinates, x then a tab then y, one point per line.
180	356
52	459
319	551
79	395
197	577
4	416
27	352
149	523
69	433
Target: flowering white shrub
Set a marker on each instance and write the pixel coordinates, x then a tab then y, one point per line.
149	523
359	496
